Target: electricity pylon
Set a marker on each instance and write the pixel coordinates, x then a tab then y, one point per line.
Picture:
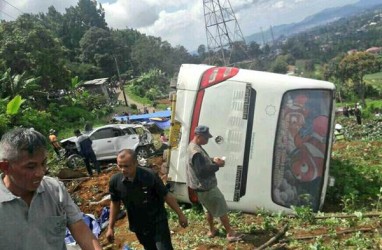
222	29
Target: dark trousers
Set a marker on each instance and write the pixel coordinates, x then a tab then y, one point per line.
90	157
156	238
359	119
57	152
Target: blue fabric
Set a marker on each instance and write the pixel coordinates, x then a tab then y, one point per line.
103	220
69	240
145	117
163	124
91	222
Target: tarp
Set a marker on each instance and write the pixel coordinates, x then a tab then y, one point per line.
160	118
95	225
91	222
162	124
145	117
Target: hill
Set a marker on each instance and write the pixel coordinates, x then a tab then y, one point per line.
323	17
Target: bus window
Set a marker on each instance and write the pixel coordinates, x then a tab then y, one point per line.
301	147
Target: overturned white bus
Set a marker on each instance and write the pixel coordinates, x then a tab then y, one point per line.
274	130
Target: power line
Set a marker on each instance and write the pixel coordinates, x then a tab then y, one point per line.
13	6
6	14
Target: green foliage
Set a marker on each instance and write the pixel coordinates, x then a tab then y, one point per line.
85	71
150	85
304	213
4	123
74	114
18	84
358	241
90	101
14	105
355	66
74	82
27	46
279	65
133	106
375	81
77	20
96	45
358	182
39	120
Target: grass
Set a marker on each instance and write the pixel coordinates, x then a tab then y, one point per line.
142	100
132	96
356	165
375	80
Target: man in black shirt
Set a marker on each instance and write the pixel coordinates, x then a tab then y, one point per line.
143	195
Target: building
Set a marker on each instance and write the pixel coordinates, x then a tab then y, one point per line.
374	50
97	86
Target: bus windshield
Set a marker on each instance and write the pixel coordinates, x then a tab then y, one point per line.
301	147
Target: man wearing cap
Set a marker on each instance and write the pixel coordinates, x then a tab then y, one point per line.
201	177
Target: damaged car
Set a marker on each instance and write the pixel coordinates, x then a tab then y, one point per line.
108	140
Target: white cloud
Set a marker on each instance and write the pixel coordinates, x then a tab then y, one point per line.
278	5
122	14
183	27
137	14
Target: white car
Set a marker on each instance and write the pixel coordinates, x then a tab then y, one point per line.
108	140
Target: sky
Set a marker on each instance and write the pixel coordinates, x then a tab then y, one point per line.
181	22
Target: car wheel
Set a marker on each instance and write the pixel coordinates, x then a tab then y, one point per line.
142	153
75	161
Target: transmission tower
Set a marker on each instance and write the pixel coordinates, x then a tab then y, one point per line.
222	29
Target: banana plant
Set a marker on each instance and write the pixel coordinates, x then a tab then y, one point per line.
14	105
18	84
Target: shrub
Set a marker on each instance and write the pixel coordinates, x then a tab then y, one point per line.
39	120
4	124
74	114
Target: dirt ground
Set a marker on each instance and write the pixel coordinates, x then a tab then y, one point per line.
88	193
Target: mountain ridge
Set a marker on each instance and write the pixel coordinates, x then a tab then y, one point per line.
323	17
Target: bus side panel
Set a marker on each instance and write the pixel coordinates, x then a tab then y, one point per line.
184	108
225	110
259	177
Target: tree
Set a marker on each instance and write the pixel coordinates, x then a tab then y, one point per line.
331	72
280	65
151	84
53	20
146	54
239	52
254	50
355	66
77	20
124	41
97	48
202	51
27	46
